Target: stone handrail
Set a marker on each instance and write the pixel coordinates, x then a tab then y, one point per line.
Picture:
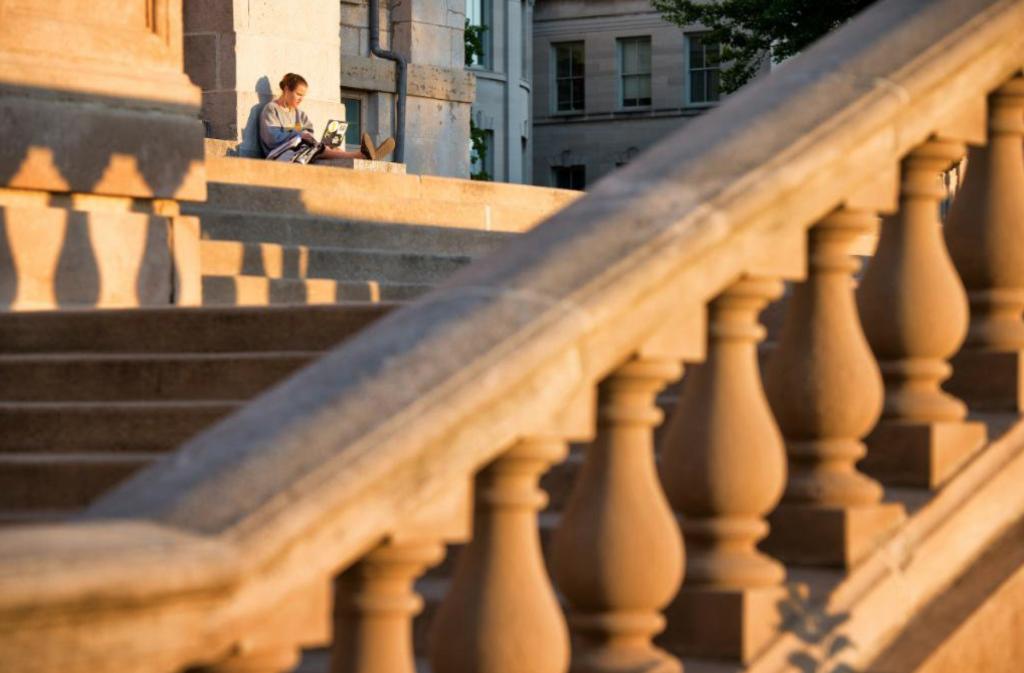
356	456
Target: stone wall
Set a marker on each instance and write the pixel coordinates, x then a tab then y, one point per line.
429	34
238	51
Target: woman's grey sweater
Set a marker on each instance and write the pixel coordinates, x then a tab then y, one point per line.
278	124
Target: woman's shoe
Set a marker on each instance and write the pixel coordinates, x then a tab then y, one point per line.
367	147
385	148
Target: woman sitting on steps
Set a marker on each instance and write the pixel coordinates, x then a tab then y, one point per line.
281	121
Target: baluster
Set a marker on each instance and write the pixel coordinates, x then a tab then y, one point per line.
501	614
374	607
914	310
618	554
826	392
723	465
985	234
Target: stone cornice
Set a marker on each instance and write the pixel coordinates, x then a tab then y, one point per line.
425	81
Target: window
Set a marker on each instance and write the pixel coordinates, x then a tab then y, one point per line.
703	66
481	155
569	90
569	177
354	117
478	15
635	71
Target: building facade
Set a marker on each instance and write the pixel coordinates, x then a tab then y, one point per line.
502	109
237	52
611	78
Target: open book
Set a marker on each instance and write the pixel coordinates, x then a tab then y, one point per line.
300	151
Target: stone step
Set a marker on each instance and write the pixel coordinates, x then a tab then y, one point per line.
104	427
263	291
36	485
385	210
187	330
97	377
230	258
312	189
341	233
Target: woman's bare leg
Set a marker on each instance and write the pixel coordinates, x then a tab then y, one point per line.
333	153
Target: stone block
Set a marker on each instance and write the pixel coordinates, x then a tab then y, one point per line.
425	43
202	16
219	114
201	60
988	381
317	20
723	623
448	84
365	165
263	59
353	13
436	12
829	536
350	43
922	455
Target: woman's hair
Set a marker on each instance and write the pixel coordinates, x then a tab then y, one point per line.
291	81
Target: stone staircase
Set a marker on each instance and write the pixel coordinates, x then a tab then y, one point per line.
89	397
275	233
432	427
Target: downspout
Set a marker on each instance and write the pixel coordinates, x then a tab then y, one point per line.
401	69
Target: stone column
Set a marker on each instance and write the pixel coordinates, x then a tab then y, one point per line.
826	392
374	607
723	464
100	142
984	231
238	51
430	35
617	554
501	614
914	309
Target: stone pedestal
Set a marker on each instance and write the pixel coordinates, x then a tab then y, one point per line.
718	623
922	455
989	380
806	534
100	141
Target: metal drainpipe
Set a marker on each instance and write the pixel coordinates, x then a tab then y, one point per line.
401	68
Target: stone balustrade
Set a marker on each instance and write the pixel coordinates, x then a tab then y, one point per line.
355	470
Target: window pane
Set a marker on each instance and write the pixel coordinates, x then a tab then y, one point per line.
577	59
577	94
697	86
563	65
628	57
644	56
696	53
713	54
353	114
474	12
644	88
713	94
564	94
578	177
630	90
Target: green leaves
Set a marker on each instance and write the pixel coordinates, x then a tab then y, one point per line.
751	31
